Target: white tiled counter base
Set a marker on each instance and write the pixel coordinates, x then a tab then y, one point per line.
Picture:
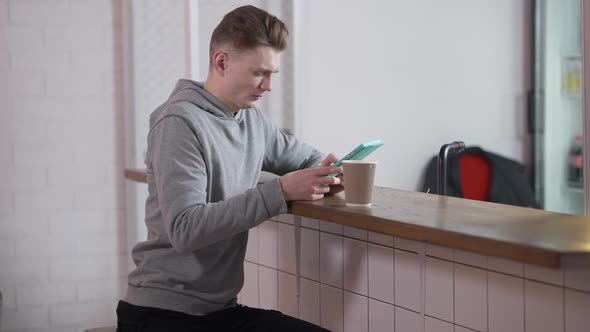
354	280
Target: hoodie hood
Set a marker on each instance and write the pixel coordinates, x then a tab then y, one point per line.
195	93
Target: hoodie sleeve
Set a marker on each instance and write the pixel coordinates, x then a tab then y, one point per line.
284	153
181	182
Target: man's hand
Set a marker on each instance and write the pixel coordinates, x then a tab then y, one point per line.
334	189
309	184
330	159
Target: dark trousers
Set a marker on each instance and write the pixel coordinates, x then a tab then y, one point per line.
132	318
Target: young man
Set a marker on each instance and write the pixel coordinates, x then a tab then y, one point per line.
206	148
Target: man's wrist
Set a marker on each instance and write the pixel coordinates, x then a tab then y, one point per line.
283	189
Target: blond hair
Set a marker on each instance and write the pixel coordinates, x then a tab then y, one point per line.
247	27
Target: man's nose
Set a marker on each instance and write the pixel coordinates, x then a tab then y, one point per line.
266	84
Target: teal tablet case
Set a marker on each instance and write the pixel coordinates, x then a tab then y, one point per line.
361	152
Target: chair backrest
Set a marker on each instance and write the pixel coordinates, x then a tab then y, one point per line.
476	176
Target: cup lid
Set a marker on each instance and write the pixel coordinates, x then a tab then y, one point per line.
358	162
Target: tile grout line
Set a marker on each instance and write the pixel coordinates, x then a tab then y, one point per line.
524	303
277	238
487	300
297	224
423	289
563	298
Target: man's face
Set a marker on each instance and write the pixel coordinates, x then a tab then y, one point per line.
249	75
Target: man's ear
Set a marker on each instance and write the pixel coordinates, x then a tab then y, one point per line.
220	62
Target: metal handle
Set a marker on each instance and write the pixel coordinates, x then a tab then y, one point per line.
441	166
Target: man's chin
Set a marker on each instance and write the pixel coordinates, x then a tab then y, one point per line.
250	104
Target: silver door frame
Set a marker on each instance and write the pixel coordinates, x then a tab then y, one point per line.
586	96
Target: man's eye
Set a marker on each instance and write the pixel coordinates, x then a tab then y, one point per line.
258	73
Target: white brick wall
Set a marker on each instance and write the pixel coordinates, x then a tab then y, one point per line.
21	84
45	294
6	205
22	37
29	318
38	13
83	314
63	261
3	12
3	60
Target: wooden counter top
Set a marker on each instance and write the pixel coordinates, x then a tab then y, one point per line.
137	175
522	234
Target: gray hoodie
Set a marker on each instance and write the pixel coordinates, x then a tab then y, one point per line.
203	164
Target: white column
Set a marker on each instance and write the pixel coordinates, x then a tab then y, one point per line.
154	60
